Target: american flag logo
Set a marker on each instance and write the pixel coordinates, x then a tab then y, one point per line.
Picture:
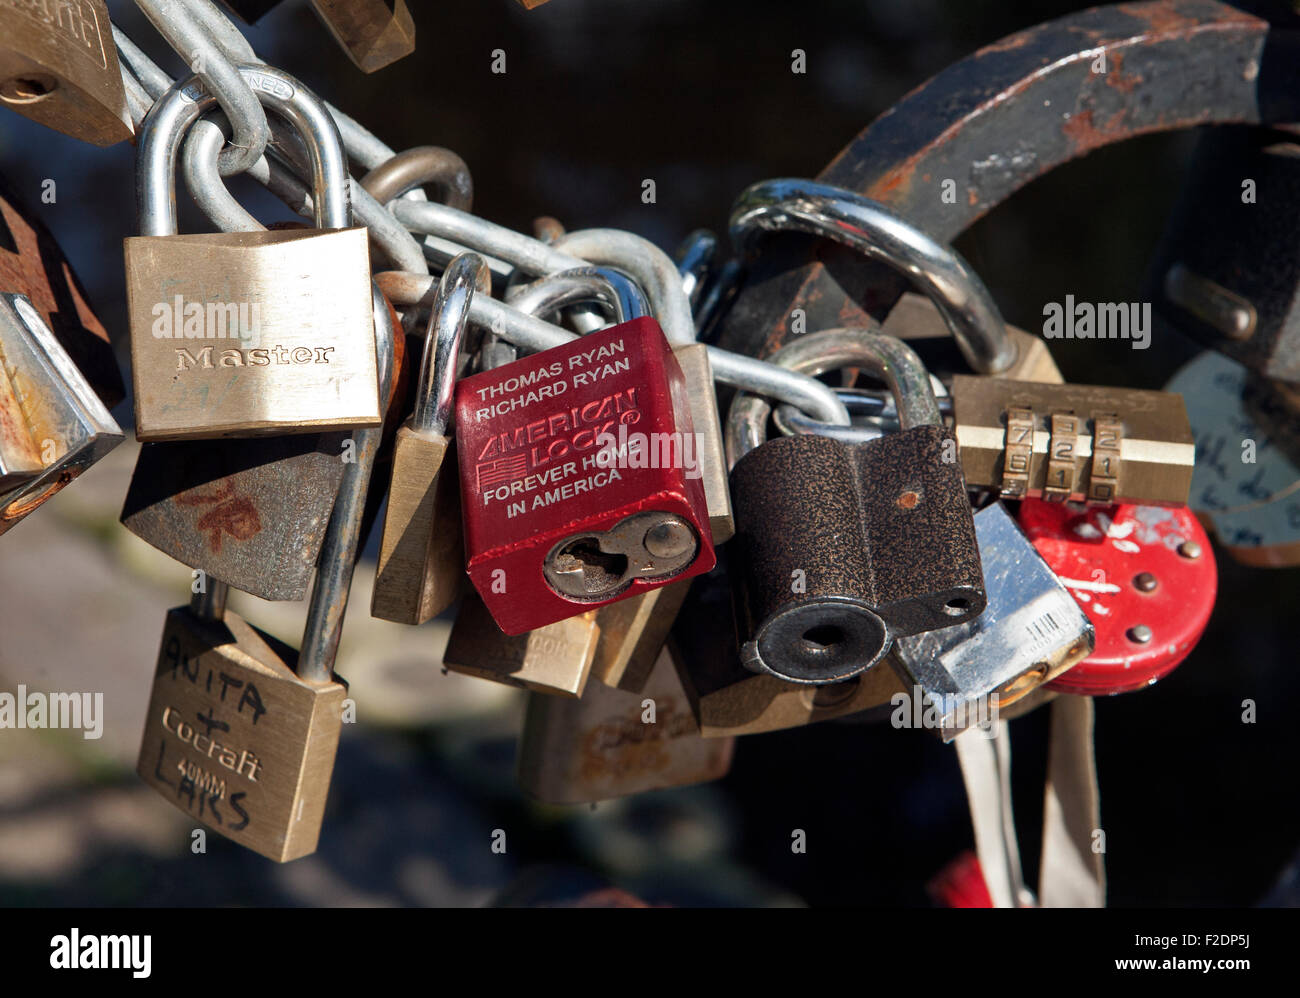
503	469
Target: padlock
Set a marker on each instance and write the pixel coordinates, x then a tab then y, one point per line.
69	427
283	317
374	33
556	658
843	548
1030	632
241	730
33	264
612	743
728	699
20	460
421	554
1073	442
1144	575
58	66
633	631
1222	273
565	510
1245	484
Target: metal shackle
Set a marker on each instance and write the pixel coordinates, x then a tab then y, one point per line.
611	289
938	271
465	275
420	165
890	359
164	129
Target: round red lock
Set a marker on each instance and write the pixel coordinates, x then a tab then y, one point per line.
1144	575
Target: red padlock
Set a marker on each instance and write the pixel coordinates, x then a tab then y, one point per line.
580	477
1144	575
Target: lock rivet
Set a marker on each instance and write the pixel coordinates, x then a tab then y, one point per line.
669	539
1145	582
1189	549
908	500
1140	634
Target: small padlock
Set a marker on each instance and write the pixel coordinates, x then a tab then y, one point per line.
842	548
574	483
1245	482
1030	632
69	427
58	66
612	743
1078	442
374	33
33	264
241	731
249	333
421	554
554	659
1144	575
633	631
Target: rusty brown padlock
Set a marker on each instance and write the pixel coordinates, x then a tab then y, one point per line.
32	264
374	33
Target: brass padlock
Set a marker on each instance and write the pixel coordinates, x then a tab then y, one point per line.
554	659
241	731
421	567
374	33
612	743
58	66
633	633
69	427
33	264
282	318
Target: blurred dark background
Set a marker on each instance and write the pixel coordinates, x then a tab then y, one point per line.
1198	808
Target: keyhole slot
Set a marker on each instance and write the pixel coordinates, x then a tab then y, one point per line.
601	571
823	638
28	88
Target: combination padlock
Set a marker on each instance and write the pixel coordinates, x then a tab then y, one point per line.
68	427
241	730
841	548
249	333
421	555
575	480
58	66
1144	575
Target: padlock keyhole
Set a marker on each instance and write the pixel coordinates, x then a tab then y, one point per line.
27	89
823	638
600	570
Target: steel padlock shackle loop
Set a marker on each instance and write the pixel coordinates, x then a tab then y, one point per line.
176	21
868	227
420	165
888	358
860	401
165	127
693	257
645	263
613	290
199	167
435	391
530	333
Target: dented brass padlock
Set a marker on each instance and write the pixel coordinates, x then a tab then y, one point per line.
58	66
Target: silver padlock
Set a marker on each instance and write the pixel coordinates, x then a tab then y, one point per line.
70	427
1031	631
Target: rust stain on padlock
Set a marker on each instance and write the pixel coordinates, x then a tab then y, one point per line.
1033	93
627	744
230	513
32	263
